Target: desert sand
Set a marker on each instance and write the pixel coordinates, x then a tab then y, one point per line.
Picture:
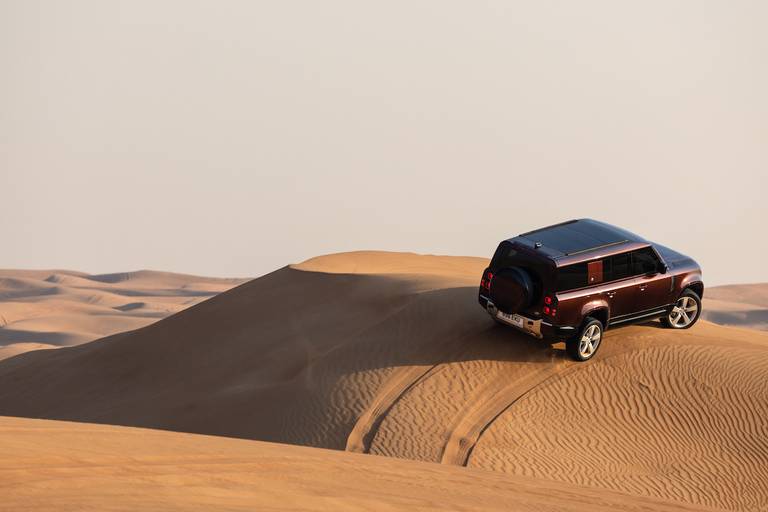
62	466
56	308
389	354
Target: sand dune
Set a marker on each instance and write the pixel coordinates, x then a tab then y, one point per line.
675	420
741	305
61	466
396	358
55	308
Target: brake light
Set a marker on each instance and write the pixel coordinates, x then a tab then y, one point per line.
485	282
550	305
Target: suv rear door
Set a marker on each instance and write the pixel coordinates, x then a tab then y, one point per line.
618	289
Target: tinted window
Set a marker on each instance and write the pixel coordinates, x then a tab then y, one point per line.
504	255
571	277
616	267
644	261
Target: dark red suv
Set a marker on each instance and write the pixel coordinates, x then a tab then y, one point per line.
573	280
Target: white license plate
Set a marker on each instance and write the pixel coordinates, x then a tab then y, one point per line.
513	319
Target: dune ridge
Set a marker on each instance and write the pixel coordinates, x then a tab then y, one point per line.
405	364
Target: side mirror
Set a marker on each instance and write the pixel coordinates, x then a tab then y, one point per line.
663	268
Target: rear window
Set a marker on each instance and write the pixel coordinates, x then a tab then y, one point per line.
571	277
504	256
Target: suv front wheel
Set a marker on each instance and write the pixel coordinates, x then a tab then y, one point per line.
685	312
585	344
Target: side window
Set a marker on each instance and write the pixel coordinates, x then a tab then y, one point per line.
571	277
644	261
616	267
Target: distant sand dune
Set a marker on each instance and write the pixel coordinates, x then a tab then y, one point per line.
55	308
390	354
740	305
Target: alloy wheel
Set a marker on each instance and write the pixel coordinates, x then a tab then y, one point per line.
589	341
683	313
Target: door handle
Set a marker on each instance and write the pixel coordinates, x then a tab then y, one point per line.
610	294
643	287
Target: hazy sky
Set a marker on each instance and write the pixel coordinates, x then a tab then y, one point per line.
231	138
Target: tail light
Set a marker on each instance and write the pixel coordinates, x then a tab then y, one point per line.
485	282
550	305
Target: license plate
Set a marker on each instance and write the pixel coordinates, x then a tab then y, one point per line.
513	319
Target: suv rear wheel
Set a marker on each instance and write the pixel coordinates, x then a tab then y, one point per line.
584	345
685	312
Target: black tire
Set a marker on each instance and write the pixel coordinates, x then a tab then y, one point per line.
676	318
584	351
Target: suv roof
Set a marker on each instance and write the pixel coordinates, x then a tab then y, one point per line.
577	240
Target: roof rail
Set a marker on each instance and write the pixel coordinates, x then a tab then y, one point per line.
603	246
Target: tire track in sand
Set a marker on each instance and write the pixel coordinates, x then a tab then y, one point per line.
470	425
466	431
397	385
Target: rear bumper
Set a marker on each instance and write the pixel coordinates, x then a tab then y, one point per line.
557	332
535	327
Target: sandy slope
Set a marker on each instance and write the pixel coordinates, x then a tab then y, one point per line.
396	358
62	466
54	308
742	305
